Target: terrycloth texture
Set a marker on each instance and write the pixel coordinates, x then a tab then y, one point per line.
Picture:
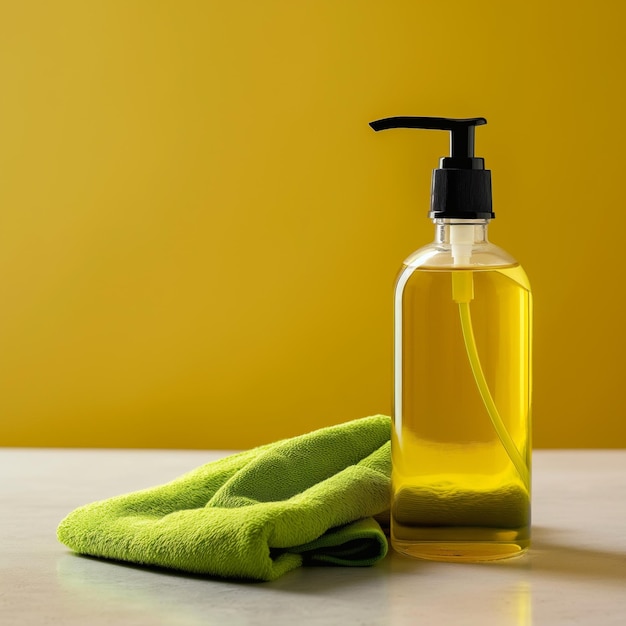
257	514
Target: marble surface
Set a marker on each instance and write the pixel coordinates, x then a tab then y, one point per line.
575	572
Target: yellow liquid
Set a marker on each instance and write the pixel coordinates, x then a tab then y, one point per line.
456	493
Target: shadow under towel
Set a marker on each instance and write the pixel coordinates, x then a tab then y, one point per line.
257	514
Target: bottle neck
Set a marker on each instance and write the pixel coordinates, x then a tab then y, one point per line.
471	231
461	236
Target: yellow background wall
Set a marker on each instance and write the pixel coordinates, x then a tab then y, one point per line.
199	233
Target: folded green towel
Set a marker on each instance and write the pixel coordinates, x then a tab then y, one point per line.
257	514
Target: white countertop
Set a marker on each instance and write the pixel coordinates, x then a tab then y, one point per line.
575	572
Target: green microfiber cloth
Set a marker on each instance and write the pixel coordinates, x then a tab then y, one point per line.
257	514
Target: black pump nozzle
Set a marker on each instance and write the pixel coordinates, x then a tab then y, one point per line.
461	187
461	131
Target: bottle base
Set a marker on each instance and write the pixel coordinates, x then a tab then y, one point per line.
460	551
460	543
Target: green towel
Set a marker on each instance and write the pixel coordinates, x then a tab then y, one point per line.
257	514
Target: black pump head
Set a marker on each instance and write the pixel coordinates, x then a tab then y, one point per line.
461	186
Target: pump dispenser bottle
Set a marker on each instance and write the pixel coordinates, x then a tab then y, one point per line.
462	368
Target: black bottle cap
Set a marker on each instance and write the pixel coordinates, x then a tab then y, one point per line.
461	186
